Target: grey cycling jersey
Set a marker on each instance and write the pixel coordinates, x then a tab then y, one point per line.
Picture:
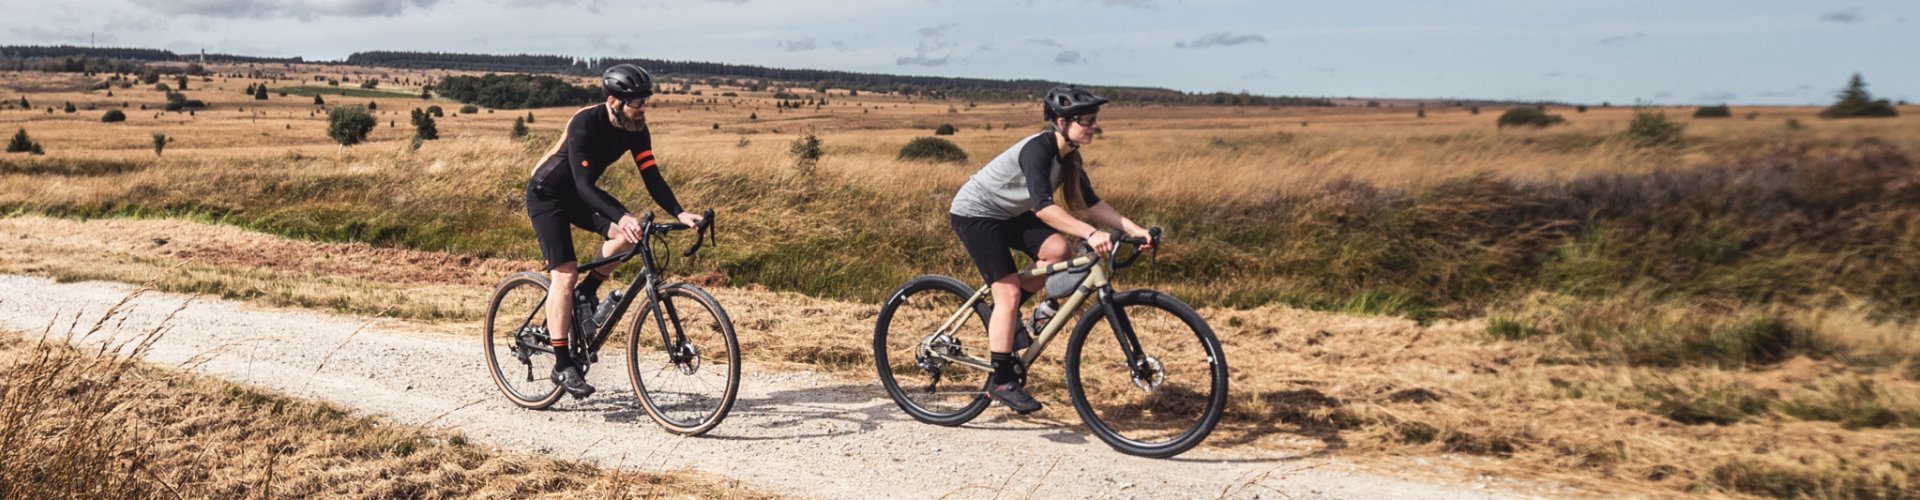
1018	181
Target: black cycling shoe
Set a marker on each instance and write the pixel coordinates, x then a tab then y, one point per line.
1014	396
570	380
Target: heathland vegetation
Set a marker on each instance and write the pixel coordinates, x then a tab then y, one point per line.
1695	289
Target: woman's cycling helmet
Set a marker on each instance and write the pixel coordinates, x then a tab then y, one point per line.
1068	101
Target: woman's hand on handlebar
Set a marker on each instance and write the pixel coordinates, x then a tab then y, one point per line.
1142	233
1101	242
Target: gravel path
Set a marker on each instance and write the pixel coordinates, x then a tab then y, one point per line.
802	434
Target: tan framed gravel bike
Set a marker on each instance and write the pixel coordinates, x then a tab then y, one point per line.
686	377
1143	370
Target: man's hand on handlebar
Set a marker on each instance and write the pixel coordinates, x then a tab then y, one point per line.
1144	234
691	219
1101	242
628	229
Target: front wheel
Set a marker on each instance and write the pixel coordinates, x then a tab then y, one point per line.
1164	400
688	383
910	352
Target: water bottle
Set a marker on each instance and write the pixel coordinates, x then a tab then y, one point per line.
605	311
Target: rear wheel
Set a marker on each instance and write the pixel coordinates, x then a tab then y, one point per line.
519	354
1167	399
932	389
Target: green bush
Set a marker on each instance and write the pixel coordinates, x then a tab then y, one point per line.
469	109
160	143
1527	116
945	129
519	128
349	125
933	149
1652	129
113	116
20	143
436	112
1721	111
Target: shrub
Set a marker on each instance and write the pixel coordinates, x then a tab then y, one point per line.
469	109
69	108
1721	111
945	129
1652	129
160	143
424	129
349	125
436	112
319	101
20	143
113	116
806	152
1528	117
519	128
1855	102
933	149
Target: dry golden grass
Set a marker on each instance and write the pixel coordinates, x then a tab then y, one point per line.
85	424
1379	391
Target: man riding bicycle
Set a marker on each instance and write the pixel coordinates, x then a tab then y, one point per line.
1009	204
563	192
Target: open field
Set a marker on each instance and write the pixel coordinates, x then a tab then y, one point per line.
1735	315
103	424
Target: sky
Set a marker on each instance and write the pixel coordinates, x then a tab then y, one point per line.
1583	51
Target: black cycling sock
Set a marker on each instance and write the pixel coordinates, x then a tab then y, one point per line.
1003	367
562	355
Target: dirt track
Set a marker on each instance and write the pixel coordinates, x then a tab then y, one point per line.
801	433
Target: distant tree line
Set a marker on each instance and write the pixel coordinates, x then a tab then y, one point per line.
819	80
516	91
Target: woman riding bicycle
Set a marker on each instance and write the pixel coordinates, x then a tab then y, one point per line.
562	192
1009	205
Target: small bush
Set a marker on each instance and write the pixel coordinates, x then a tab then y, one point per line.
113	116
945	129
933	149
469	109
436	112
319	101
349	125
806	152
519	128
1652	129
1855	102
1528	117
160	143
20	143
1721	111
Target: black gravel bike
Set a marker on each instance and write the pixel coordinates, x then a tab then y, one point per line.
1144	371
686	377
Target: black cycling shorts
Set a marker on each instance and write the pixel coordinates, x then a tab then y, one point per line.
551	216
988	241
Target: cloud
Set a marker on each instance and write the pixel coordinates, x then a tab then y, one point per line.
1848	16
302	9
1261	75
1138	4
1717	96
598	43
801	45
932	40
1069	57
936	31
1222	39
1043	42
1616	41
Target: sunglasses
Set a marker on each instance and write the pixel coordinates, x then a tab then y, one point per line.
1086	120
640	104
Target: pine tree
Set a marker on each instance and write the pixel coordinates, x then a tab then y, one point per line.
260	93
20	143
519	128
1855	102
317	101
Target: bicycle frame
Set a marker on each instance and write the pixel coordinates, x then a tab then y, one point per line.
648	285
1097	286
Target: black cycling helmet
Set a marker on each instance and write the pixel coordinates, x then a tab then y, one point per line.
627	82
1068	101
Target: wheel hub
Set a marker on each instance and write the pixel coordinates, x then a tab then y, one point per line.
687	358
1148	374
